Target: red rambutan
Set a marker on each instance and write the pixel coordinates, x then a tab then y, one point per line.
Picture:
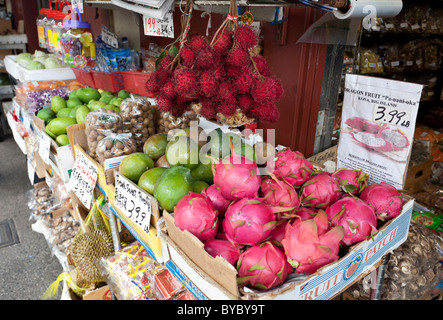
277	88
208	84
238	57
168	90
151	85
245	102
198	42
227	105
185	80
164	103
262	91
165	61
245	37
187	56
207	58
219	72
243	82
262	65
267	112
208	109
223	42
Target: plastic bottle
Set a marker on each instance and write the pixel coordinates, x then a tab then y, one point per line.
41	23
78	43
49	23
56	32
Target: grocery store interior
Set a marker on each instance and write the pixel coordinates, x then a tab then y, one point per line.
122	123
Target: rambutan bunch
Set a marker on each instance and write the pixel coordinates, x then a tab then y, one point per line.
187	56
245	37
157	79
185	80
223	42
207	83
198	42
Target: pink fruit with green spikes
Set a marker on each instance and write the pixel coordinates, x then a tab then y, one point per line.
291	165
304	213
195	213
320	191
237	177
218	201
352	181
249	221
262	267
357	218
279	193
223	248
311	244
278	233
386	200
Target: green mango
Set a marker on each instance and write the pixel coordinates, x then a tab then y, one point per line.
65	112
172	185
62	140
245	150
73	94
155	145
106	98
183	151
49	133
148	178
133	165
123	94
116	101
199	186
74	111
73	102
203	172
106	93
58	125
57	103
46	115
80	114
95	105
87	94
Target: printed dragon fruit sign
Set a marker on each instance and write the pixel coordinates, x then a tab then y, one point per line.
377	127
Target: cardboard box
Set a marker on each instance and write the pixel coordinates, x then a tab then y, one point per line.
102	293
326	283
416	175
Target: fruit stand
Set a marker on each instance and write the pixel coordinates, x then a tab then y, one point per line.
171	190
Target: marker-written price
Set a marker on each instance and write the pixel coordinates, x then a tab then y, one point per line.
391	115
159	27
132	202
83	178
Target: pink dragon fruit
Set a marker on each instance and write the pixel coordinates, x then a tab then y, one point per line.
364	125
357	218
220	204
386	200
352	181
320	191
396	138
223	248
195	213
311	244
237	177
371	141
304	213
279	193
262	267
291	165
249	221
278	233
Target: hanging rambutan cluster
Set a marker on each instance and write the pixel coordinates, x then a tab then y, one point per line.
222	75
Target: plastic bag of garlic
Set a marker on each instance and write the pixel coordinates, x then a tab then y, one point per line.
413	269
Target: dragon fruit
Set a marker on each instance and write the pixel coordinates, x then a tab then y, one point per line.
304	213
291	165
386	200
371	141
364	125
357	218
396	138
223	248
279	193
278	233
237	177
320	191
311	244
195	213
352	181
262	267
220	204
249	221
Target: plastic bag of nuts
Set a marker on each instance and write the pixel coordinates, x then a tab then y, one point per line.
98	124
168	122
138	119
115	145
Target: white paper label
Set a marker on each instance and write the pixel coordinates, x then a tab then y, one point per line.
133	202
77	4
109	37
377	129
31	170
44	145
159	27
83	178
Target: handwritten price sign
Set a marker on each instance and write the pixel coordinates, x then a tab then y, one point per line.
133	202
391	115
159	27
83	178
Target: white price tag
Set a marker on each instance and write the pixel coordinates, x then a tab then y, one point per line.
83	178
31	170
44	145
109	37
159	27
133	202
27	123
392	115
77	4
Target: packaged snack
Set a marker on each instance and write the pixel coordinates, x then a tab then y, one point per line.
115	145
